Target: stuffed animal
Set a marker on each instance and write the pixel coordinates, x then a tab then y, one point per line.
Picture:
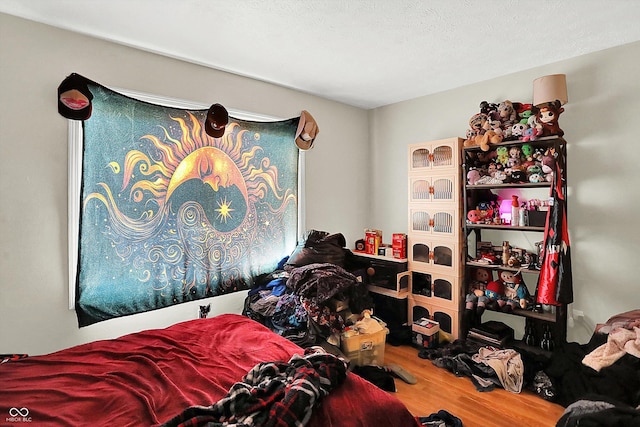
473	176
547	115
492	134
548	164
477	287
473	216
503	155
515	157
517	130
530	134
507	113
490	109
476	128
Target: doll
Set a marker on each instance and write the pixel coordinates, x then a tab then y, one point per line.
477	287
494	296
516	294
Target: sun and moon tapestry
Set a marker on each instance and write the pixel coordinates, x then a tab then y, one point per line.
170	214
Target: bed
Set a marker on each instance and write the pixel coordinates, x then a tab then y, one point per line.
157	376
599	382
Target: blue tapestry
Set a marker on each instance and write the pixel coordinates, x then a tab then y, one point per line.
170	214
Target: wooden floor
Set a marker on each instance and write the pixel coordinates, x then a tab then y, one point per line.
438	389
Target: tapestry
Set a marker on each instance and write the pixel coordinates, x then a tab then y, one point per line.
170	214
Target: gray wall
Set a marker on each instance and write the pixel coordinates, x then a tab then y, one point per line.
600	124
34	59
356	174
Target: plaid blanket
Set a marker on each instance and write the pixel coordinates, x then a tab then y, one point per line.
272	394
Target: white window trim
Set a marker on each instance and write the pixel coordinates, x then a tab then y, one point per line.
75	173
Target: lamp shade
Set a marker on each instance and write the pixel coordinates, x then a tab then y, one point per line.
549	88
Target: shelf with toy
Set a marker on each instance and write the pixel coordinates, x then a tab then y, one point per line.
546	141
501	267
513	151
506	227
508	185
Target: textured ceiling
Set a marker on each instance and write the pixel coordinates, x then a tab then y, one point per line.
365	53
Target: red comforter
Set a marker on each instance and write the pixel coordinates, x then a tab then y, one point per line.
146	378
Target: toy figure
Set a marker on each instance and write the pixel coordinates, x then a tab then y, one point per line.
477	288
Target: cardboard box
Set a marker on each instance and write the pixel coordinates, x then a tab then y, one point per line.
399	245
372	241
425	333
364	349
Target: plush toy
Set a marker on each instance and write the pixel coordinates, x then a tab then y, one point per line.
473	216
515	176
492	134
503	155
524	116
547	115
473	176
476	128
517	130
477	287
515	292
507	113
536	177
530	134
548	164
527	151
490	109
515	157
532	122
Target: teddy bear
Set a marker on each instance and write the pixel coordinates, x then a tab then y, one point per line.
547	115
477	287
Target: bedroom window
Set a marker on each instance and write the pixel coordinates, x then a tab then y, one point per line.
75	148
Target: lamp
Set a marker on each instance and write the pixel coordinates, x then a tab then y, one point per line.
505	211
549	89
549	94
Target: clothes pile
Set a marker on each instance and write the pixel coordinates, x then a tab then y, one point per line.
313	294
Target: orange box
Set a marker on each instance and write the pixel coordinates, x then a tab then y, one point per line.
372	241
399	245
